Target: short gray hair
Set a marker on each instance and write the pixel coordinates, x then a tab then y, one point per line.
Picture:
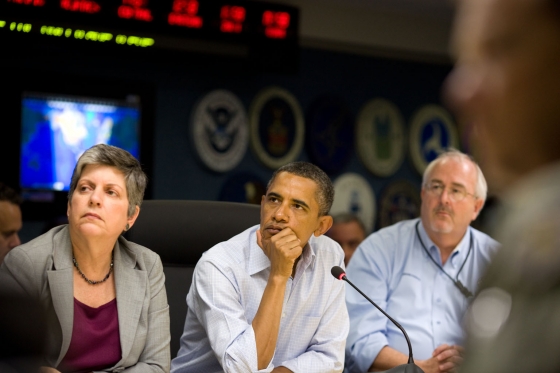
481	187
107	155
325	189
346	217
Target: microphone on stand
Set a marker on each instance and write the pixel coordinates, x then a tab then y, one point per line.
410	367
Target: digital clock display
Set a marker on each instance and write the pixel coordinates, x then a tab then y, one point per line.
141	22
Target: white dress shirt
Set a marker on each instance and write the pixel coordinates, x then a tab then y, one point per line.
228	284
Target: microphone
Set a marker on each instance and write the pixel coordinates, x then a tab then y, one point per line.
410	367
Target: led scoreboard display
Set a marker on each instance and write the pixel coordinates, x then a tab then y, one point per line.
152	23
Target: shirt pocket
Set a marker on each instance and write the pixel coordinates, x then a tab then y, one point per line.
409	285
406	297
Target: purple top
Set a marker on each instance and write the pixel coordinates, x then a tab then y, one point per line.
95	341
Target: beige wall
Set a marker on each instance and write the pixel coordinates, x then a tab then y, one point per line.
410	29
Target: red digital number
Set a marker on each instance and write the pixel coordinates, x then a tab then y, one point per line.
276	24
189	7
81	6
135	9
135	3
28	2
232	18
185	13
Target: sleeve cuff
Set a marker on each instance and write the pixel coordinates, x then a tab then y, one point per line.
366	352
246	354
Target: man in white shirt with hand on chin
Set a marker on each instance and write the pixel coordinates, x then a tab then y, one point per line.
422	272
265	300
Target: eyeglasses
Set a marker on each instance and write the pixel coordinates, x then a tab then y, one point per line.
455	193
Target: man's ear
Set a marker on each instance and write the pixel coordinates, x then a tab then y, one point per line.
325	223
478	204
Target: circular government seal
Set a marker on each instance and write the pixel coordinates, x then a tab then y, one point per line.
277	127
399	201
432	130
353	194
243	187
332	127
380	137
219	130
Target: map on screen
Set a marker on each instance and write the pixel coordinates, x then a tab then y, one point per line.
56	130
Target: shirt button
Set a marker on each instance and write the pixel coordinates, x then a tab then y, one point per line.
283	314
437	322
439	300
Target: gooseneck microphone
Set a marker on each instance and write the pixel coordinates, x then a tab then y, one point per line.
410	367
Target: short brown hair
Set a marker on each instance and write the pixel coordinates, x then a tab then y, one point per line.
9	194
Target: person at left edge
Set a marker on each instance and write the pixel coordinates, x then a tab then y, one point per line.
10	219
104	296
265	300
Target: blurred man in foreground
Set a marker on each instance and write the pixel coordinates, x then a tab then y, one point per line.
506	84
349	231
10	220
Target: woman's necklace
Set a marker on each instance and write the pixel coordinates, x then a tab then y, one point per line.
87	279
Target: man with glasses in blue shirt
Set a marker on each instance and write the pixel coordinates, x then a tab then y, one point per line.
423	272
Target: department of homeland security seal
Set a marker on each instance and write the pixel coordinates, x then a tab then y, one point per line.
353	194
219	130
432	130
330	128
400	200
277	127
380	137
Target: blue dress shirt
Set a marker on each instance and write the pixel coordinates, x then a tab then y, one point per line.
224	297
393	269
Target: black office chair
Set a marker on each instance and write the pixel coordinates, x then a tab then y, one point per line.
180	231
23	329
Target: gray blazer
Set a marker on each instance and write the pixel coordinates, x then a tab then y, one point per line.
43	268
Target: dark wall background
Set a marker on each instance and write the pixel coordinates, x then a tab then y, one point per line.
356	79
174	82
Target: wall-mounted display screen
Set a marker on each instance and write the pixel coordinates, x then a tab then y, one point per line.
56	130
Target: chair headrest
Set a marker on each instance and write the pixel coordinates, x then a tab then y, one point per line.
180	231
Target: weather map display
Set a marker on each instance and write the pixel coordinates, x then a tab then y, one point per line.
56	130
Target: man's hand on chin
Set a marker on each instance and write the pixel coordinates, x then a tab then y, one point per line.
282	249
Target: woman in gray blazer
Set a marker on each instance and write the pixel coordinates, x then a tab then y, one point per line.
105	298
